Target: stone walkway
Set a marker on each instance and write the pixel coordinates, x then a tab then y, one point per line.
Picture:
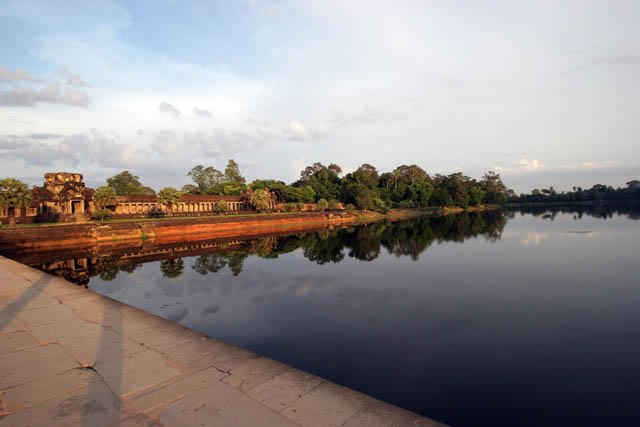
69	356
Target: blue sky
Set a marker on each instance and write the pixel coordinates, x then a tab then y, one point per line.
545	93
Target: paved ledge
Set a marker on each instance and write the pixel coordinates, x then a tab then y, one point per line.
69	356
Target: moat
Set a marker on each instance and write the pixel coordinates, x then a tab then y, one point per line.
503	318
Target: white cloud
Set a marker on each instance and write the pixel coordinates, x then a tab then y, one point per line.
17	75
530	165
169	109
52	94
296	131
73	79
202	112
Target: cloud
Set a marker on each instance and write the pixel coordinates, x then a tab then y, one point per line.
365	117
76	149
17	75
297	131
52	94
165	142
169	109
202	113
73	79
255	122
530	165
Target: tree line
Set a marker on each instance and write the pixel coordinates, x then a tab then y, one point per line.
597	193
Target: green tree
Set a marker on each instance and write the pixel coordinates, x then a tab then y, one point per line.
169	196
205	179
259	199
477	195
125	183
496	191
104	196
14	194
322	205
232	173
221	206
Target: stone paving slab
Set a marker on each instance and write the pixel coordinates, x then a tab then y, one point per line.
71	357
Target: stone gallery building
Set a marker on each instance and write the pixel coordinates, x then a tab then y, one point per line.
65	198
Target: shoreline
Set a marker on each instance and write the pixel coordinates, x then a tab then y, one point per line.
165	230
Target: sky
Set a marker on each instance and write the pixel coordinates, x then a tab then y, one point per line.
544	93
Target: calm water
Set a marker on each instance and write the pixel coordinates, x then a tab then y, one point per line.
503	319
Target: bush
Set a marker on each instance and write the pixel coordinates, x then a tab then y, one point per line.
290	207
322	205
300	206
350	208
333	204
101	214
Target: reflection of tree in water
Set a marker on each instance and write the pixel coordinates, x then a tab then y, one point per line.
364	243
600	211
212	263
209	263
322	247
107	268
172	268
129	267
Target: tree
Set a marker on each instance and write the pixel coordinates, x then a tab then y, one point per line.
205	179
322	205
104	196
495	188
324	180
477	194
14	194
125	183
169	196
221	206
232	173
259	199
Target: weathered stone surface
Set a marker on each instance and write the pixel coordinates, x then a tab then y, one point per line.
380	414
225	358
9	323
163	342
45	315
94	405
254	372
283	390
43	389
151	399
15	341
136	371
192	350
33	363
327	405
67	328
221	405
101	346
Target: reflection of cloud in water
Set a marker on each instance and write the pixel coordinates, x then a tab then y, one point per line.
177	315
533	238
210	310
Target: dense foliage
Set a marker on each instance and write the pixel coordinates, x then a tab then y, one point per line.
597	193
125	183
14	194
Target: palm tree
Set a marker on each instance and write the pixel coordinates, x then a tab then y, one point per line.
169	196
104	196
14	194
